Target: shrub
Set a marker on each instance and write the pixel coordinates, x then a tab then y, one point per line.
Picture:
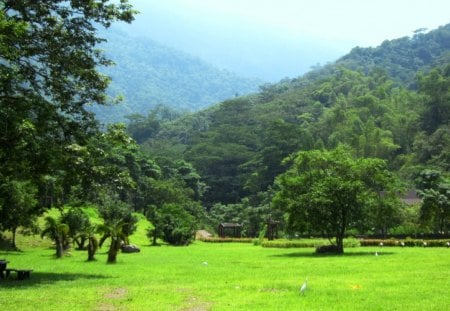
227	240
407	242
306	243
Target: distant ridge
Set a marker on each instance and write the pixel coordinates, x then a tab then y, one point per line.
403	58
148	74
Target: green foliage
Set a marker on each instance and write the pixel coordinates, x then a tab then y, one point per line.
406	242
227	240
436	87
252	215
118	218
58	232
435	194
17	206
48	76
173	224
115	232
402	58
306	243
79	224
326	192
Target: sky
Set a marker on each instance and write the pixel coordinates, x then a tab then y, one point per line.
254	37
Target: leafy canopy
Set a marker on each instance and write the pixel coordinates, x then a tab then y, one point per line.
327	192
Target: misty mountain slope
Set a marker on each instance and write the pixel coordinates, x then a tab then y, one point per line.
148	74
402	58
238	145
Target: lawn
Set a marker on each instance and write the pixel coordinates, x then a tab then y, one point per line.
230	276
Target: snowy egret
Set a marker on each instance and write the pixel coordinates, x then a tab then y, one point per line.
303	287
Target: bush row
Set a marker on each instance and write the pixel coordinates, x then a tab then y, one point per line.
406	242
305	243
226	240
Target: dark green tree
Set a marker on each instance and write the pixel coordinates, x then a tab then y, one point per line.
58	232
173	224
48	77
115	232
172	195
79	224
435	194
326	192
436	87
118	224
17	206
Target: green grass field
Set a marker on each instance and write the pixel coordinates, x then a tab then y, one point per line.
237	276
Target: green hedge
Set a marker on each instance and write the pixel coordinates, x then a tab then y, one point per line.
226	240
406	242
307	243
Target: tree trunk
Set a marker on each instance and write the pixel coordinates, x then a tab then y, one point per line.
113	250
154	237
340	244
92	248
14	238
80	242
59	248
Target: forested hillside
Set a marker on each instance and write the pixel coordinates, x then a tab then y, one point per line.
370	105
331	151
403	58
148	74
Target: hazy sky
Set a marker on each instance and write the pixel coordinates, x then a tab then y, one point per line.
327	28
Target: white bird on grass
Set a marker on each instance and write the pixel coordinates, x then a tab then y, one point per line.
376	253
303	287
205	263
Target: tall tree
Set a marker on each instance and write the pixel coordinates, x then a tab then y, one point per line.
436	87
326	192
48	75
435	194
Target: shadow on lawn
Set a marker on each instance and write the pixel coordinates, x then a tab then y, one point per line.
314	255
37	278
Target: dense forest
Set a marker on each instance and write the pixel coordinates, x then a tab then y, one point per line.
389	102
333	150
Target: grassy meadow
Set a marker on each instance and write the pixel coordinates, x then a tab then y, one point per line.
228	276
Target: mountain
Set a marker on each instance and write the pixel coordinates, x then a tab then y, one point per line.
371	103
223	34
403	58
148	74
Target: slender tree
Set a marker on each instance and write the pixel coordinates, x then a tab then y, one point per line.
57	231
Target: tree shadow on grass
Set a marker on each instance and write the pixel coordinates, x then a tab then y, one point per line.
38	278
346	255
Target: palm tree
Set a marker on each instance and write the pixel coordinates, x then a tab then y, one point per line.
57	231
88	234
114	231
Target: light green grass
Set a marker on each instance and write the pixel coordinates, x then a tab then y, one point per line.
237	277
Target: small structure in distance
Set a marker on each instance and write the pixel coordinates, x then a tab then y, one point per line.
228	229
